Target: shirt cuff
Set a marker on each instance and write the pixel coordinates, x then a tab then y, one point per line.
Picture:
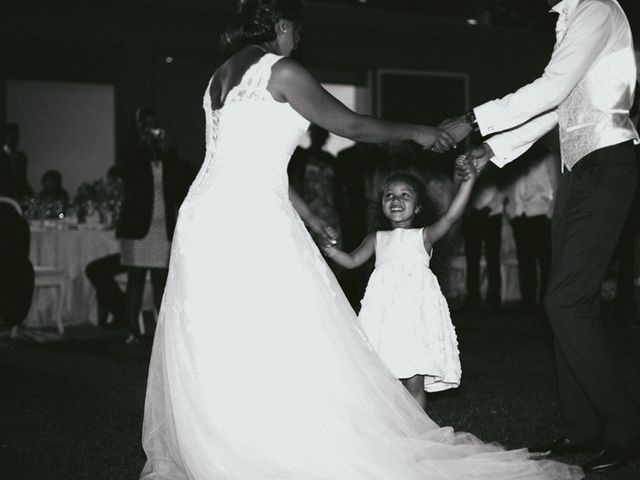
502	151
485	115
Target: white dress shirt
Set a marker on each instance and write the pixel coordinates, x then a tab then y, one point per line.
487	196
587	87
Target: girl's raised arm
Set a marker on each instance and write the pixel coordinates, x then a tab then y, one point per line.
356	258
290	82
435	232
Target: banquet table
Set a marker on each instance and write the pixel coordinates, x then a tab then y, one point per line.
70	250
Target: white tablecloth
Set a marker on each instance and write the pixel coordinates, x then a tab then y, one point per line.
70	250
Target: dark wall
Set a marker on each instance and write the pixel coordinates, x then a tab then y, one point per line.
128	44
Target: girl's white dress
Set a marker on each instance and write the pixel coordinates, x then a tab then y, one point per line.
405	315
259	369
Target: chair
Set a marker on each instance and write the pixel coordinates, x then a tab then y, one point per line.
47	277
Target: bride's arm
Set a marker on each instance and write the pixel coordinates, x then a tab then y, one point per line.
311	220
292	83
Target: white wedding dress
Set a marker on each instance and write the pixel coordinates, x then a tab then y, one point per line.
259	368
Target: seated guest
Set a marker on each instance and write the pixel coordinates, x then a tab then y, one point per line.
102	271
13	162
52	191
110	298
16	271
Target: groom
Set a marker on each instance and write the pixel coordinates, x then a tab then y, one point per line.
587	90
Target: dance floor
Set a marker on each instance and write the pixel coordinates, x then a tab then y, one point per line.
71	408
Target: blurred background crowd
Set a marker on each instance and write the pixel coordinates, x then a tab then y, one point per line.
102	135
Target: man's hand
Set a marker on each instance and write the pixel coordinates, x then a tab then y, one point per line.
457	127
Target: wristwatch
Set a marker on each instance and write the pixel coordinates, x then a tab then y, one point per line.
470	118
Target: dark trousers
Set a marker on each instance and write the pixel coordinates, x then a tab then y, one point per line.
16	290
136	277
481	229
592	203
110	298
532	236
625	308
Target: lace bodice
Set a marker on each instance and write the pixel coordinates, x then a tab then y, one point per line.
251	135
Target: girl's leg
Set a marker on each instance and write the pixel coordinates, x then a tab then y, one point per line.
415	385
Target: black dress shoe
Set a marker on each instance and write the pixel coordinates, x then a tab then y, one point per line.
565	446
612	457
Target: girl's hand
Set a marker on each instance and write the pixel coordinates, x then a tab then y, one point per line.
465	169
433	138
480	156
328	249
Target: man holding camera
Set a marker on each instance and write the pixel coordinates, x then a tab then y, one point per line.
155	182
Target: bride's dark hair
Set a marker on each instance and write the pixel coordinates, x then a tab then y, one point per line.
256	21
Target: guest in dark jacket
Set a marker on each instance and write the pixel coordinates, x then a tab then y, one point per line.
155	183
16	271
13	162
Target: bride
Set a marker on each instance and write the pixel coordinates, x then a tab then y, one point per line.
259	368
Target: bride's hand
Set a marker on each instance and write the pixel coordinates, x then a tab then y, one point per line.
434	139
327	233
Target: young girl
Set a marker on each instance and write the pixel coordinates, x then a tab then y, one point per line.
404	313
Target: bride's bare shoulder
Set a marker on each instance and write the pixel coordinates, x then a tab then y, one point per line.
286	67
229	74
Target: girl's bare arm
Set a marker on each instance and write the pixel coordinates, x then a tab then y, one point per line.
356	258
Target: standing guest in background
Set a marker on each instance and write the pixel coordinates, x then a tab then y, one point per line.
155	182
101	273
355	167
482	230
312	174
52	191
13	162
587	89
16	271
529	208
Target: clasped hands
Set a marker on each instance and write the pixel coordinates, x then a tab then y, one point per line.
327	235
452	131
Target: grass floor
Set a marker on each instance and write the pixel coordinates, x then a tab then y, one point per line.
71	408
